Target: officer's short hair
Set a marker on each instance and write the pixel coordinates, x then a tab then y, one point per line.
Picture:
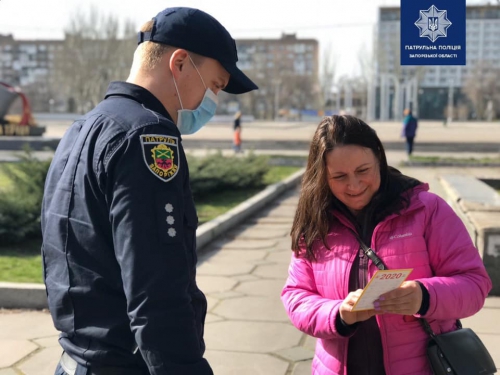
152	52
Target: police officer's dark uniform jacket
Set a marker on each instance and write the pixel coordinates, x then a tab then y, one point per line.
119	249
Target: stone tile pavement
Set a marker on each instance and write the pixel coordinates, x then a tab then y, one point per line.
247	330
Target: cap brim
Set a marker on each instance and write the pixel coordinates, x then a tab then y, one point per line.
238	83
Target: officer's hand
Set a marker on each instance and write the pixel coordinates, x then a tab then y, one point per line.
351	317
405	300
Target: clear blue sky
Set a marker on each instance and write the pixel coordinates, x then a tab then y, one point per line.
345	25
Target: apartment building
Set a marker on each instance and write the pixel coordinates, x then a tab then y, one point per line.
29	64
286	69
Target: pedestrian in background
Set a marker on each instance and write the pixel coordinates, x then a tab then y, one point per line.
410	124
118	219
237	132
349	194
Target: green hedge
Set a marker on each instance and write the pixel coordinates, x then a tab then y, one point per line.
20	203
216	173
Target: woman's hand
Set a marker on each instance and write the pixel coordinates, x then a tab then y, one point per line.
406	300
351	317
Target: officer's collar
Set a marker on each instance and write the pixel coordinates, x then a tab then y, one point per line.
138	93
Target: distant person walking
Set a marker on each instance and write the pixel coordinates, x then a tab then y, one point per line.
237	132
410	125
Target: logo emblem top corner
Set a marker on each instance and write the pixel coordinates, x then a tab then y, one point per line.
433	23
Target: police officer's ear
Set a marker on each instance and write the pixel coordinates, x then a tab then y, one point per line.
178	61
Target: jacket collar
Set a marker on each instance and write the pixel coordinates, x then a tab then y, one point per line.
415	203
137	93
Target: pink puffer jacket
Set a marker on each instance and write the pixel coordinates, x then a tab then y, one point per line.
428	237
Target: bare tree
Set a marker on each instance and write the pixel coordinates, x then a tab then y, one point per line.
361	83
96	50
482	86
263	101
366	64
284	83
327	75
298	92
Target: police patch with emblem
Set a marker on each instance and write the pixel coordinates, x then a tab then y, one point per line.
161	155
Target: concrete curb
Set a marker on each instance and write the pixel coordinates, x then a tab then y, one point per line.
473	200
478	205
419	164
33	296
453	199
22	296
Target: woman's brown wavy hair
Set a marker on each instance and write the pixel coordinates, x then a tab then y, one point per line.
313	218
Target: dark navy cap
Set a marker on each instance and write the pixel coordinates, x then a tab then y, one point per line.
198	32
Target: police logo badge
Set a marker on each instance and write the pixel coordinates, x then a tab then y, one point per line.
161	155
433	23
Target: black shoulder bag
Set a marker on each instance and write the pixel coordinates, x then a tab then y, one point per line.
458	352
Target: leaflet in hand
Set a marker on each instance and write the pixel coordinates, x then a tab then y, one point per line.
382	282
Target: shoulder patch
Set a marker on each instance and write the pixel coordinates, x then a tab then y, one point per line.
161	155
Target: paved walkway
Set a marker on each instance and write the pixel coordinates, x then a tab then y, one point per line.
247	330
459	138
388	131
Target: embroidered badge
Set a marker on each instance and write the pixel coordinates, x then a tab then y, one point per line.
161	155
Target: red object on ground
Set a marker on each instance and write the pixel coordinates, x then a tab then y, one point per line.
26	118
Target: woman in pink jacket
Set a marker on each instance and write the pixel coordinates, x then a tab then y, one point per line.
348	187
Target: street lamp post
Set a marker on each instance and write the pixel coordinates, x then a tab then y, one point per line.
337	98
277	84
348	98
450	102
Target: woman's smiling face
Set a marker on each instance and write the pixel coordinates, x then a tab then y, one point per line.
353	174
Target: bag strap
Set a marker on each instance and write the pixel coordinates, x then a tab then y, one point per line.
370	253
428	328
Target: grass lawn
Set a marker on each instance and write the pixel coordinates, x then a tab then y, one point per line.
278	173
216	205
22	262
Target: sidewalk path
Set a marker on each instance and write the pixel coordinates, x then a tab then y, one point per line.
432	137
247	331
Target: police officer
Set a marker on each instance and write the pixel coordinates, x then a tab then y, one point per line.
118	219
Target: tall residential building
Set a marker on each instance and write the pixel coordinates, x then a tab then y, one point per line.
28	64
286	71
429	89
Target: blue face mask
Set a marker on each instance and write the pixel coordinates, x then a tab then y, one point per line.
189	121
